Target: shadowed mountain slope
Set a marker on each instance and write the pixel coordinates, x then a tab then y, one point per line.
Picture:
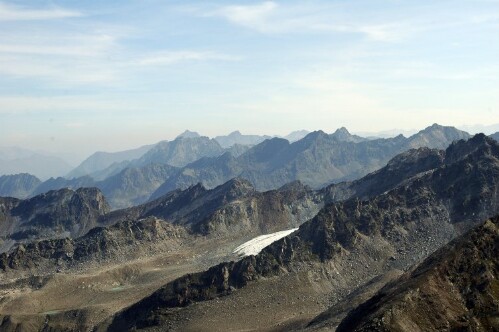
234	206
100	244
55	214
455	289
349	243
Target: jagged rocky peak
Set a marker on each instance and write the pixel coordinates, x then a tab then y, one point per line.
454	289
57	213
477	145
342	133
316	135
415	156
237	187
188	134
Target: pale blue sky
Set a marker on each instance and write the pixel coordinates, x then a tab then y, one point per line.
107	75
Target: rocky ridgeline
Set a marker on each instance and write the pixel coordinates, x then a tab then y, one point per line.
357	240
55	214
124	240
455	289
233	207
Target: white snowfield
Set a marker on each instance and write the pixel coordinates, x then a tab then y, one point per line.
254	246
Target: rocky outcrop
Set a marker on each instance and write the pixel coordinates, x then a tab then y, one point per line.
355	240
124	240
55	214
454	289
234	206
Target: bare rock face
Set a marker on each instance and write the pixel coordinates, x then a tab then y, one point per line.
55	214
355	240
455	289
234	206
123	240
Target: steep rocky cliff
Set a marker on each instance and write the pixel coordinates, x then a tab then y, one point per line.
55	214
455	289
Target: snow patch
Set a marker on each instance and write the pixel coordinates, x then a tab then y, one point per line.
254	246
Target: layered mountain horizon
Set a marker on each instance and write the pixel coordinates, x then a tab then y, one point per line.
304	236
133	177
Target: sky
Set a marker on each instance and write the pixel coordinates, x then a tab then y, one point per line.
81	76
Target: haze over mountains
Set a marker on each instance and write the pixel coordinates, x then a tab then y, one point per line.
16	160
344	247
316	159
368	211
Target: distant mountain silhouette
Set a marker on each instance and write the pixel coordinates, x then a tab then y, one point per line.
43	166
188	134
19	185
101	160
296	135
237	138
180	152
317	160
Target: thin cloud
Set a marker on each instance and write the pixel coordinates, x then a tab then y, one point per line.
271	18
251	16
17	13
171	57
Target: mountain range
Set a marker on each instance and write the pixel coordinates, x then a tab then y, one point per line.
363	246
15	160
316	160
342	248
